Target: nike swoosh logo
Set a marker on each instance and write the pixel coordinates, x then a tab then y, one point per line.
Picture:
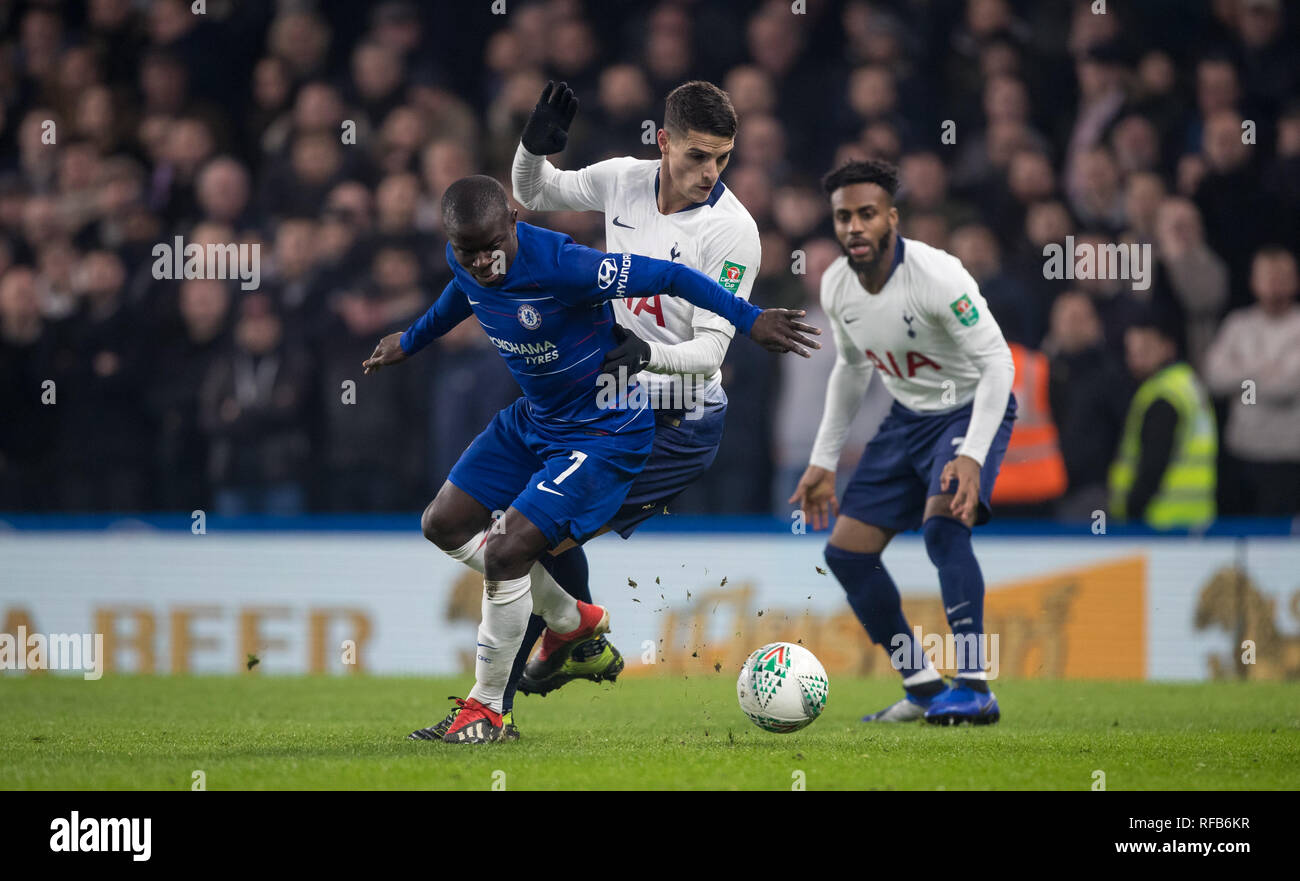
948	611
957	440
624	225
471	302
541	484
849	320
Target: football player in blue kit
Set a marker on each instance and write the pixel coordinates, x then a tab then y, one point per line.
560	459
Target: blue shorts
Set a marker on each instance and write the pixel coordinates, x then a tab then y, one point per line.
568	482
683	450
901	465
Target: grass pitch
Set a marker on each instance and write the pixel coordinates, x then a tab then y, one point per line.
256	732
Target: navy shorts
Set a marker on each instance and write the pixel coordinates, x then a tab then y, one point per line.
901	465
683	450
568	482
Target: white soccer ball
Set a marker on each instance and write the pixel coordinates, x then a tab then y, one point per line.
782	687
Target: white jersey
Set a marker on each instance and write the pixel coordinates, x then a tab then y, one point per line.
717	237
929	334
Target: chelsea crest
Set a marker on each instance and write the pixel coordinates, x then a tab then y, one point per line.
529	317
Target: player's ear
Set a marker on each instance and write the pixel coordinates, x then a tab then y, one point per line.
661	138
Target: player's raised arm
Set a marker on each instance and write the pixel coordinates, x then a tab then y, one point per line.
449	310
539	185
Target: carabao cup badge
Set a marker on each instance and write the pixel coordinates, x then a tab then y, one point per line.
529	317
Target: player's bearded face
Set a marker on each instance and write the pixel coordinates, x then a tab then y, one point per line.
864	223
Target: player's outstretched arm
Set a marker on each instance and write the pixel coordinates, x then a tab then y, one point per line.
777	330
449	310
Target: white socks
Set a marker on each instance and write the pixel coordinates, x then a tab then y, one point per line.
928	674
471	552
499	638
557	608
506	607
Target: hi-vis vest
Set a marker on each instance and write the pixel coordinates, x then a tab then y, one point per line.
1185	499
1033	469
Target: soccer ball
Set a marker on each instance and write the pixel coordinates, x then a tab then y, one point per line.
782	687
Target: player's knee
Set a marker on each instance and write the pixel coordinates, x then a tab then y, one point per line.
945	538
439	529
507	556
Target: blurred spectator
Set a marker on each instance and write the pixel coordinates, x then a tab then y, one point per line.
467	378
1271	70
1135	143
223	192
1196	276
1143	193
1238	216
253	407
924	189
1164	474
1255	364
1010	303
373	440
1100	74
27	432
180	445
1283	177
1112	298
1088	392
99	363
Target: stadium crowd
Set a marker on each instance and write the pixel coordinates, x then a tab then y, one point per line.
326	132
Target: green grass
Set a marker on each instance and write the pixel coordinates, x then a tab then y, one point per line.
349	733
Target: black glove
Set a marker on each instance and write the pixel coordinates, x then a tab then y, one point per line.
632	353
547	130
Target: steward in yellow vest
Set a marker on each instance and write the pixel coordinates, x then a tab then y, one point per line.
1165	472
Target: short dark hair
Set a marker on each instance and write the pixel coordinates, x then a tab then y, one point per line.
702	107
863	171
474	198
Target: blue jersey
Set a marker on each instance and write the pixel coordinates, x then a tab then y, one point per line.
552	322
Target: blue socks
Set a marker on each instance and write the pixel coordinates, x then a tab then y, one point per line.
874	598
962	585
571	572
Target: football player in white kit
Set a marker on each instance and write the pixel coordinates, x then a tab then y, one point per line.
674	208
916	315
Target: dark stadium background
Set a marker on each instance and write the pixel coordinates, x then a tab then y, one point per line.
226	127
